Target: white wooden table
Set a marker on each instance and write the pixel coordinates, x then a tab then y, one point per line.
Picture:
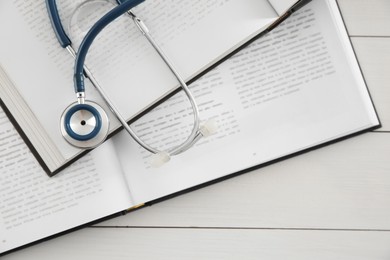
332	203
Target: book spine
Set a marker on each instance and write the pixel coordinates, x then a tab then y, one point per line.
283	17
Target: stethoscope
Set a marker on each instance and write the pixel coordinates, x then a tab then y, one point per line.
84	123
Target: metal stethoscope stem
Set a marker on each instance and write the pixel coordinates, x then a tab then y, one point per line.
119	116
195	133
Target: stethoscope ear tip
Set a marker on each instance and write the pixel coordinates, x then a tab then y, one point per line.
208	128
159	159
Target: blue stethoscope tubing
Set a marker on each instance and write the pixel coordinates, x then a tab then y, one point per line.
81	69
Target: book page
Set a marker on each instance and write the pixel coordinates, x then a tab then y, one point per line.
192	34
296	88
34	206
281	6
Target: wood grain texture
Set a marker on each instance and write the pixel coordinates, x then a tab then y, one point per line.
120	244
374	58
366	17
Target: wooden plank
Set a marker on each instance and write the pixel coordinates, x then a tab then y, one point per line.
115	244
368	18
374	57
345	185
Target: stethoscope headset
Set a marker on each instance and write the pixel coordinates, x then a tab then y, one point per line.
85	124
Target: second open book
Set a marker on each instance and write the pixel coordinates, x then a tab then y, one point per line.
295	89
37	74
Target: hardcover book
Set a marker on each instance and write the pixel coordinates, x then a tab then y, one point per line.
295	89
37	73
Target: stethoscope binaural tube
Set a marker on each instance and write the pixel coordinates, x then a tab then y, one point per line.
85	45
81	69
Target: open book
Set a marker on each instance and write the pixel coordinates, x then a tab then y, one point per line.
36	74
297	88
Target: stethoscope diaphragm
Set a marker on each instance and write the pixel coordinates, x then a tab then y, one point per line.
84	125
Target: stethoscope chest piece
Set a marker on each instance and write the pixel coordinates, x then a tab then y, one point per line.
84	125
